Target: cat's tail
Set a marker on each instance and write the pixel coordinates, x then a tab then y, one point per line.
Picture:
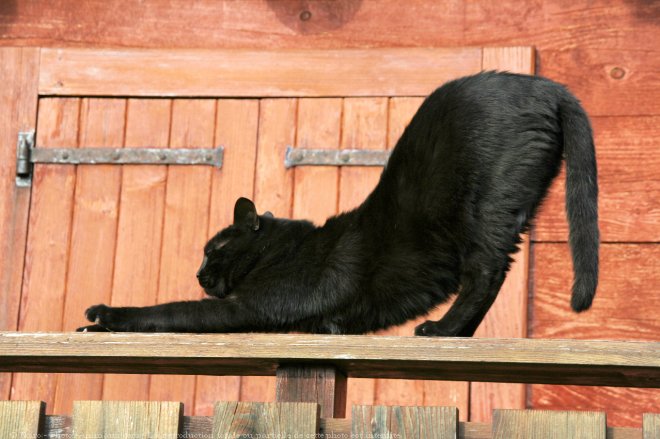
581	201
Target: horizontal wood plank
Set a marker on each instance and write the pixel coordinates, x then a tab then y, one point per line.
611	363
252	73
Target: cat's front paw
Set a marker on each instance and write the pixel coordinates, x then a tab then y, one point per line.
434	329
107	317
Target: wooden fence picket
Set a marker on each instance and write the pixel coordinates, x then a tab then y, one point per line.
545	424
21	419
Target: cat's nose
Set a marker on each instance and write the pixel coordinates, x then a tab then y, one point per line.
199	272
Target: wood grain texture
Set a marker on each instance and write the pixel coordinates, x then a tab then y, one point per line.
651	426
580	43
325	386
235	129
21	419
316	187
47	251
253	73
185	227
273	191
126	419
637	401
628	206
541	424
624	307
18	111
94	232
611	363
58	426
282	419
140	228
404	422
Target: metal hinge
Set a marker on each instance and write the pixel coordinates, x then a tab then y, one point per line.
27	154
334	157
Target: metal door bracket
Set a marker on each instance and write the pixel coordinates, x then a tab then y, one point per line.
27	154
334	157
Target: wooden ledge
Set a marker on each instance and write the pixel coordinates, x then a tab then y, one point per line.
601	363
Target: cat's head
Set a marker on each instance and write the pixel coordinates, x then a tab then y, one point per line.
232	253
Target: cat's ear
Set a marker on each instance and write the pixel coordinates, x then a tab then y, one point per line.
245	214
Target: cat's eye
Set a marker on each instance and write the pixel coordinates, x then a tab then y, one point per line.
221	244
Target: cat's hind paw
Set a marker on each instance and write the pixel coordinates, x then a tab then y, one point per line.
434	329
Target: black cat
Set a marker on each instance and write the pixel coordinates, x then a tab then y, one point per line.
463	182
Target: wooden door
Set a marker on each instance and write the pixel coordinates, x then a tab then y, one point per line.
133	234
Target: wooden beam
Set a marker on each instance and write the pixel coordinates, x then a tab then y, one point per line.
253	73
324	385
602	363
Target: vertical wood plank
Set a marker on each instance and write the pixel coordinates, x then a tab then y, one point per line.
424	422
323	385
508	315
141	206
186	227
542	424
93	237
236	129
364	126
411	392
651	426
273	191
277	420
21	419
18	111
152	419
315	193
404	422
48	240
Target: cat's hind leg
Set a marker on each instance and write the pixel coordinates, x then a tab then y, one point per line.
479	288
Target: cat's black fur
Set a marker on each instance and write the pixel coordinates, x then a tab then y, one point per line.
463	182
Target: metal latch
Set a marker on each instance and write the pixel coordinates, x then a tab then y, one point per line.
334	157
27	154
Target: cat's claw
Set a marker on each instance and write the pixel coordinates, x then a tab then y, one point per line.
92	328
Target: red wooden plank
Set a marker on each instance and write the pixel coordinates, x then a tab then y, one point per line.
141	207
316	191
185	227
18	111
48	241
93	236
273	191
236	129
250	73
629	187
